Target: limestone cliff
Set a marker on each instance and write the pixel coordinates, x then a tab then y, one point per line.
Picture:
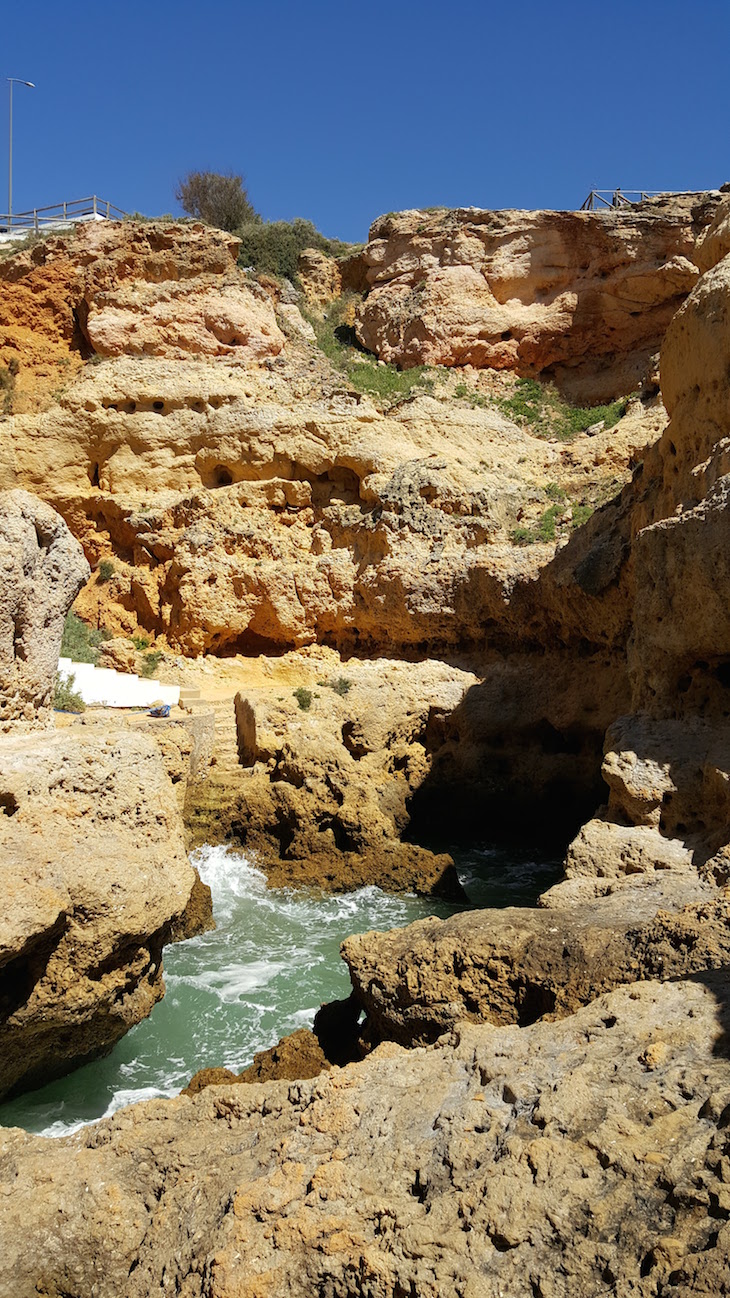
583	296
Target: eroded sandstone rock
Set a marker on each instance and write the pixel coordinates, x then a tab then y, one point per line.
516	965
503	1160
94	879
322	790
585	295
42	569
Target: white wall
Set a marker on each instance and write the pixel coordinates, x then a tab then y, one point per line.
113	689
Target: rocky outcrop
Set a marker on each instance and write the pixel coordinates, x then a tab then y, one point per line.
583	296
42	570
206	317
94	873
319	276
518	965
662	841
505	1160
326	772
94	879
49	293
295	1058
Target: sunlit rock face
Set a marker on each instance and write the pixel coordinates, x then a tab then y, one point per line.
42	570
584	296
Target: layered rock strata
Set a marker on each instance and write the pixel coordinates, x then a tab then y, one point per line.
583	296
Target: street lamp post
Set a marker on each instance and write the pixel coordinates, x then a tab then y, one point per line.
13	81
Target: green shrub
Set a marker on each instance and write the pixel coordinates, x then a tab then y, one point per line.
216	198
341	686
81	642
554	492
150	663
141	642
465	393
546	524
273	247
303	697
105	570
581	514
65	697
523	536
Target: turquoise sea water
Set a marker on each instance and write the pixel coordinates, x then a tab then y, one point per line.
265	970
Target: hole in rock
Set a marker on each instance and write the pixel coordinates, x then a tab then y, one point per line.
159	406
722	674
8	804
94	474
536	1001
222	477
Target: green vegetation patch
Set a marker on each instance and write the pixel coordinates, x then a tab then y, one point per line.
303	697
65	697
336	338
105	571
541	409
273	247
81	642
150	663
476	399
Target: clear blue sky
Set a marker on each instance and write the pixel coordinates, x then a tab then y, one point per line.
339	112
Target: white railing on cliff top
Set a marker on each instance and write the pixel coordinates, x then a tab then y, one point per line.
77	209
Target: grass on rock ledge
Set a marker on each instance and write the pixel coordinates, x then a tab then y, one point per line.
539	408
364	372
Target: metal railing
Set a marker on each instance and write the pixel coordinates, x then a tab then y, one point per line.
78	209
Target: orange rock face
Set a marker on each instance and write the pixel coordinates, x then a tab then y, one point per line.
136	288
586	296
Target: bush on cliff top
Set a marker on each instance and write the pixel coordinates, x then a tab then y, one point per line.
216	198
273	247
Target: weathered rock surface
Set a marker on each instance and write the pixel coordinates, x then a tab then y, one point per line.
507	1160
586	296
207	317
319	276
295	1058
42	570
517	965
48	292
94	879
322	791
